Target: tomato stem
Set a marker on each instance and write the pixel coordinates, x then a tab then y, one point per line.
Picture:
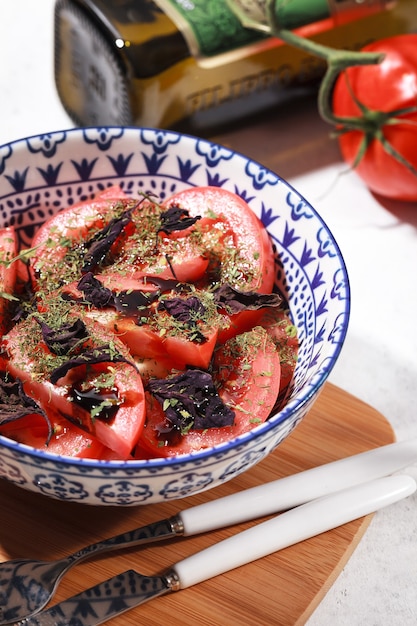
337	61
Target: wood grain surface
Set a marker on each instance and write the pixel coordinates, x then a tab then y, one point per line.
282	589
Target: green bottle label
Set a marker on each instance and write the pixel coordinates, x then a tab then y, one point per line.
210	27
215	27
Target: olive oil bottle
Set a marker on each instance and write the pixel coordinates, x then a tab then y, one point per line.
157	63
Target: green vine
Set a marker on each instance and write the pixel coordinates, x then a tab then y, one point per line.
337	60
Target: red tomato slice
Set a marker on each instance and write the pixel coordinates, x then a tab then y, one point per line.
191	353
145	342
178	258
242	245
122	430
163	337
284	334
31	362
71	225
157	368
67	439
8	275
238	323
116	284
247	371
167	257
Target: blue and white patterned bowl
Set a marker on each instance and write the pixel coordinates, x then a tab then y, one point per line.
43	174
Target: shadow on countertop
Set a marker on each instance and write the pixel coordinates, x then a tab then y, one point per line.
288	137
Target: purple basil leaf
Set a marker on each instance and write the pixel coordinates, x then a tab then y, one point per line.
99	245
101	354
95	292
186	311
234	300
62	340
183	310
129	302
175	218
190	401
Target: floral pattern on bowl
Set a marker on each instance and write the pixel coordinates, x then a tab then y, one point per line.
41	175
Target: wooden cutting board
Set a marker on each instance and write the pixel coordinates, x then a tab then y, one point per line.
282	589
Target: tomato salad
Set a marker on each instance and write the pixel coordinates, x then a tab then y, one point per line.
142	329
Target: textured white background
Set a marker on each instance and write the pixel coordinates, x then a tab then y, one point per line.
379	360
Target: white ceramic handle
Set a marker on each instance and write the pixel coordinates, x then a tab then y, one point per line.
291	491
300	523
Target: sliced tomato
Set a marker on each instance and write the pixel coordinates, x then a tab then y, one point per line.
284	334
147	342
163	336
8	275
157	368
66	229
28	358
239	241
134	253
170	332
177	258
247	370
121	430
117	282
67	439
238	323
247	373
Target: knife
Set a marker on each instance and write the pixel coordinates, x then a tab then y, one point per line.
130	589
291	491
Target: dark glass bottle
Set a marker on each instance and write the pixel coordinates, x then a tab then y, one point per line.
142	62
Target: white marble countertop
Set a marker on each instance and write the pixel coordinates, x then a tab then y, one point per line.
378	363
